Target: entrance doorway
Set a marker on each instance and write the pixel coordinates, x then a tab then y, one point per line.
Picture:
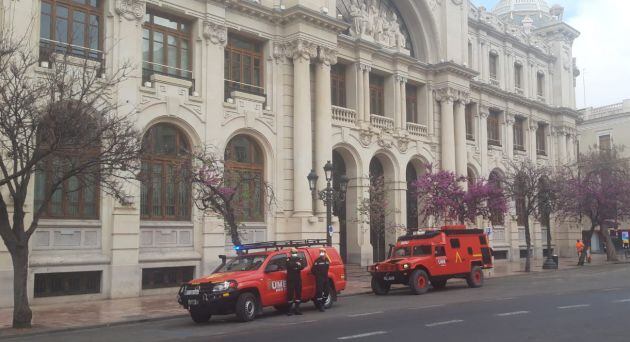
377	213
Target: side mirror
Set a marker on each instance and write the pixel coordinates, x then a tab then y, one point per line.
272	268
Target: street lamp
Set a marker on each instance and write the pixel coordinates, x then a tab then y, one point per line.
328	195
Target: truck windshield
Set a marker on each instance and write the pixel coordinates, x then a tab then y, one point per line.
401	252
243	263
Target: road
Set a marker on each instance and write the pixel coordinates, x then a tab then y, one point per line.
590	304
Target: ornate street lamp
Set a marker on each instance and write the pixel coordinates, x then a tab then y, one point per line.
328	195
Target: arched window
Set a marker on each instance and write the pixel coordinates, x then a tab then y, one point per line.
244	168
496	218
166	189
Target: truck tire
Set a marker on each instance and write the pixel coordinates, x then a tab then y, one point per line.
380	287
331	298
419	282
438	284
246	306
475	277
199	315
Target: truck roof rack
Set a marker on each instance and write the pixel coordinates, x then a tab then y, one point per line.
277	245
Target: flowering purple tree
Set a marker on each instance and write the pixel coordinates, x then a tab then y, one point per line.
220	191
598	189
442	197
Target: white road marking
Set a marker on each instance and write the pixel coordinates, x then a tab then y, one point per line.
612	289
622	301
513	313
352	337
426	307
443	323
366	314
574	306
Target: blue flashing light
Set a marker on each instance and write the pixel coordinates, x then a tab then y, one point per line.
237	248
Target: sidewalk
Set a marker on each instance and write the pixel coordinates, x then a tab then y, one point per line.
119	311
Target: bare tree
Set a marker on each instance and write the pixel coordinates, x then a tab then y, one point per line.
225	192
62	125
523	183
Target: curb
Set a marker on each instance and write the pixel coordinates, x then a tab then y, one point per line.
88	327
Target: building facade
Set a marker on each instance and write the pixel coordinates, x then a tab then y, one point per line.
380	87
601	128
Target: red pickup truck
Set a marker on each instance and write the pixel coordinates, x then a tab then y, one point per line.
253	280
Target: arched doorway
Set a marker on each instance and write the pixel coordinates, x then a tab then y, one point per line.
339	207
377	214
244	169
412	198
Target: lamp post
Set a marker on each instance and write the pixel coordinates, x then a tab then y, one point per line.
328	195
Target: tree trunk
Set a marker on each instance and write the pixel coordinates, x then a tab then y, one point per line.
588	238
528	242
22	314
611	251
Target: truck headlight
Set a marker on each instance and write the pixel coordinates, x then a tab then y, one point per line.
405	266
224	286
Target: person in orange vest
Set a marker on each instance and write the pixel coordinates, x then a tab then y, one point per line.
579	247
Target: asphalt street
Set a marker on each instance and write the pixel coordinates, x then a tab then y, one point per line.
592	303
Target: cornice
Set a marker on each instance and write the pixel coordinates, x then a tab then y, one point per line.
283	17
486	88
561	28
454	68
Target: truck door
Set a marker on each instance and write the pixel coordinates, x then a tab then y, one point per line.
275	281
460	261
308	279
441	261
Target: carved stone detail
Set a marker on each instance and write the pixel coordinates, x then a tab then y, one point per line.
215	33
131	9
327	56
376	23
300	49
445	95
365	137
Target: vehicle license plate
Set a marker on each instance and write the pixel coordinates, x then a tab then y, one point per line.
192	292
193	302
389	278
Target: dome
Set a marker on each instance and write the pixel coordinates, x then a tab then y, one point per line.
511	6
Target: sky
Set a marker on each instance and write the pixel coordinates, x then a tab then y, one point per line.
602	50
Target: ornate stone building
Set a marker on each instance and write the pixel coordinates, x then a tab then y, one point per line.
380	87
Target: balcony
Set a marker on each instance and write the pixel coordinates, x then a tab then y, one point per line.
417	129
494	142
540	98
519	91
494	81
149	69
541	152
382	122
48	48
231	86
344	116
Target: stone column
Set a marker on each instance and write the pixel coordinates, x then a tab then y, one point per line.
570	148
533	151
461	163
366	92
561	143
509	134
323	114
484	112
360	101
403	103
397	97
446	99
301	52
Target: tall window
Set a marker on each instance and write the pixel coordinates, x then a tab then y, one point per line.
540	84
605	143
244	164
166	45
494	133
497	218
243	66
470	129
72	27
519	139
493	65
518	75
377	95
338	85
412	103
166	188
541	144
